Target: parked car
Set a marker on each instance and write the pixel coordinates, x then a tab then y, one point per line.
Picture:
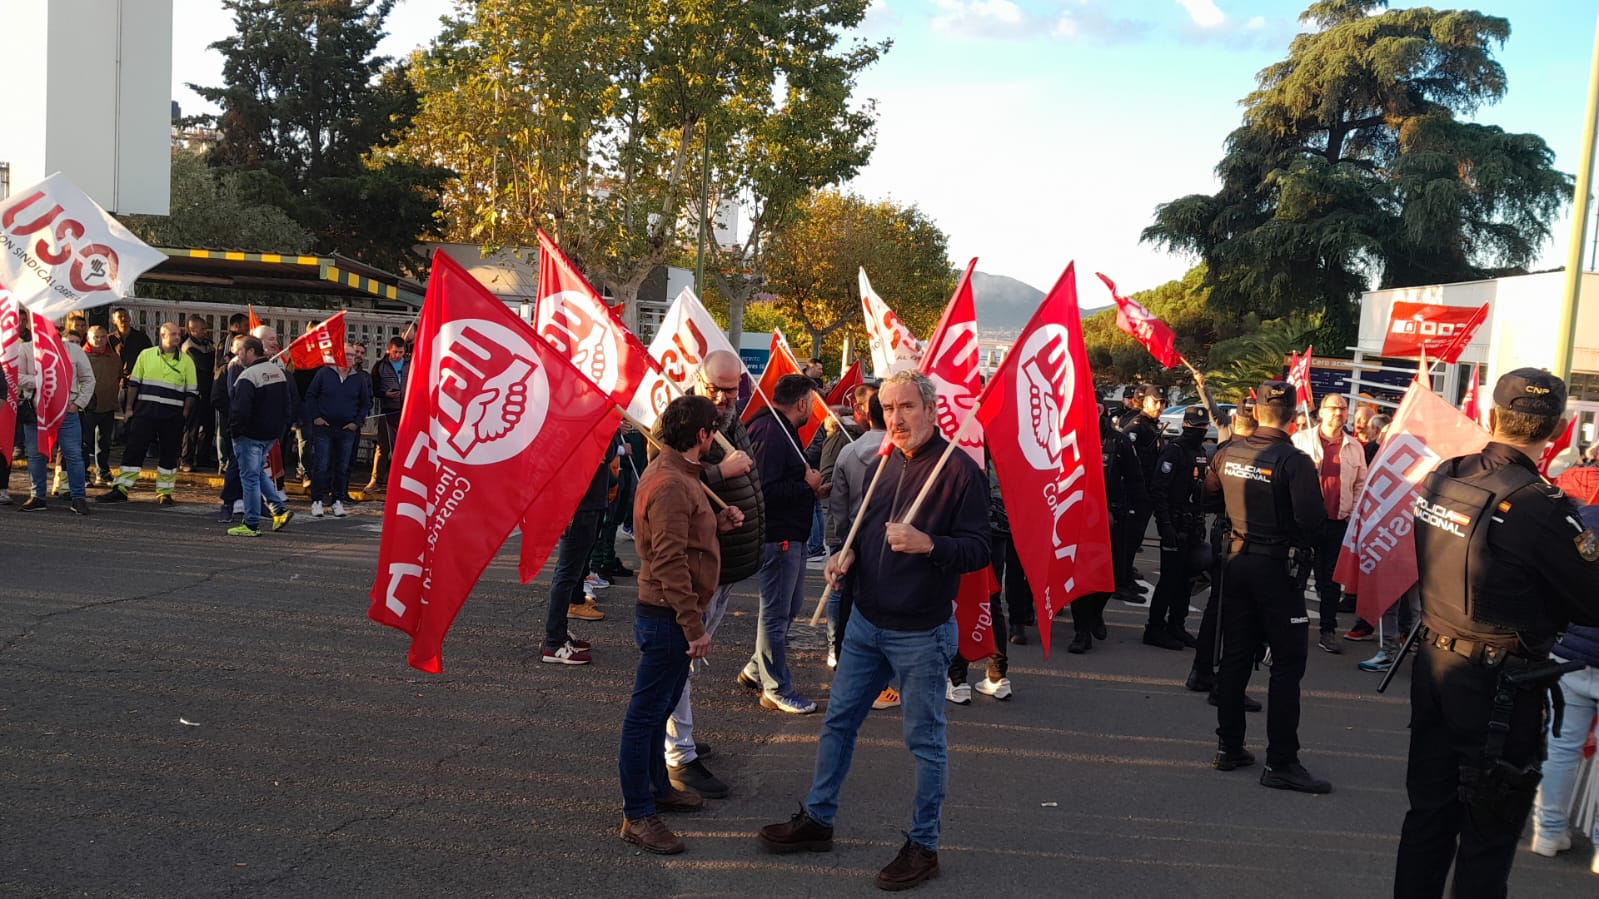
1171	421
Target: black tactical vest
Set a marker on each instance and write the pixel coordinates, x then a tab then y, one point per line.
1458	549
1256	496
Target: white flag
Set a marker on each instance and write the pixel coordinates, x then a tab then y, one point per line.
894	347
686	336
60	251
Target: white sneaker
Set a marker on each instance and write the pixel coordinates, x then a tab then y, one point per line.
999	689
588	590
1595	867
832	660
1549	847
238	507
596	582
316	509
960	694
338	509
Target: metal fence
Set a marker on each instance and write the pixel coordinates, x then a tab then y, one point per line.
364	326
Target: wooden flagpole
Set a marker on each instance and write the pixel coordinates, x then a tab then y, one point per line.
639	426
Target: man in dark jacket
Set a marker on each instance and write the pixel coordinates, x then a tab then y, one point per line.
732	477
790	488
1124	492
901	580
1177	494
336	403
567	599
199	439
1143	432
258	410
389	376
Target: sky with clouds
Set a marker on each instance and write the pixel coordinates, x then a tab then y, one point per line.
1035	132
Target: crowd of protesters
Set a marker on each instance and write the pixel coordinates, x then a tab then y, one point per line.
765	510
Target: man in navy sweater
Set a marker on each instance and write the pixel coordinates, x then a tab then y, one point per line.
901	581
336	405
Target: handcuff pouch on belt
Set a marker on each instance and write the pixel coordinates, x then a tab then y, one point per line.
1498	788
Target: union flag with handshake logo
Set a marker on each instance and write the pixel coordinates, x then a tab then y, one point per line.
494	421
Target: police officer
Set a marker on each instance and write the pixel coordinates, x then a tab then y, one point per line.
1274	501
1504	565
1124	492
1143	432
1124	416
1177	493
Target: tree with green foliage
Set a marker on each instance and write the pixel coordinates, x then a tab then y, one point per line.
590	119
305	100
1182	305
1351	167
813	267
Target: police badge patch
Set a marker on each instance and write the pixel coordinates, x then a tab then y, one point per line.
1165	468
1587	546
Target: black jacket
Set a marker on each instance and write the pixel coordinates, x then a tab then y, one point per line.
262	403
790	501
903	592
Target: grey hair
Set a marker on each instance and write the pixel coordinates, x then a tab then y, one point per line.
923	384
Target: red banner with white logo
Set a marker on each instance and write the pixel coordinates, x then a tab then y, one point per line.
60	251
10	347
322	345
1299	376
572	318
1141	325
490	423
687	335
842	393
54	392
1441	332
1378	561
1041	416
893	346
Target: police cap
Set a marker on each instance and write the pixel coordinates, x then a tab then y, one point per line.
1196	417
1129	392
1148	390
1531	390
1277	394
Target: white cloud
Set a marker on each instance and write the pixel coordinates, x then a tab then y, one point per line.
879	18
1089	22
983	18
1203	13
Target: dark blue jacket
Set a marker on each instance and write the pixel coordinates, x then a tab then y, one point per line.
1581	644
340	401
790	502
262	402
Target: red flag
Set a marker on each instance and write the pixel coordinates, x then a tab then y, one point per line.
1141	325
254	322
572	318
842	392
1556	447
950	361
1471	404
1299	376
1455	345
779	363
322	345
489	424
1378	560
1581	483
1042	420
10	347
1431	329
54	392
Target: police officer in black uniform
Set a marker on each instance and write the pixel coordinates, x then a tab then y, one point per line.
1504	565
1202	677
1124	492
1124	416
1143	432
1177	494
1273	499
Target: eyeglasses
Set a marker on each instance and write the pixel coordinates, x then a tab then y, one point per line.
712	389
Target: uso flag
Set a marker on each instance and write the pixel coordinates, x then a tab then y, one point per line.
490	425
1041	418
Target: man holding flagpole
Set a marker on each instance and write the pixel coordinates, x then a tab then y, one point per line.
901	583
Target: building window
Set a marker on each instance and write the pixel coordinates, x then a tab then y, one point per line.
5	180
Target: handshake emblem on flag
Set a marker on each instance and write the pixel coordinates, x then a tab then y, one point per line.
589	345
1043	361
483	395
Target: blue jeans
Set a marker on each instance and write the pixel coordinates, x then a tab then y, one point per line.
571	566
782	575
662	671
817	541
70	440
1555	800
680	746
871	656
249	457
333	447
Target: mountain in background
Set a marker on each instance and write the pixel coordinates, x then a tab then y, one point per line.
1004	304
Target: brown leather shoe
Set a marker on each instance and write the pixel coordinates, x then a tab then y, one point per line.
679	801
797	834
913	865
652	835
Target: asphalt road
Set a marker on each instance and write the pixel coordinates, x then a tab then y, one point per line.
188	714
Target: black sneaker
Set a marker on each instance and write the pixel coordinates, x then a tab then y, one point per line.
1080	644
1329	643
80	506
702	750
1181	635
1098	631
1232	759
114	495
1292	777
797	834
696	778
1200	681
914	865
1161	639
1018	635
32	504
165	500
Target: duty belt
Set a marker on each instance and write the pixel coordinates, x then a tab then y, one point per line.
1247	547
1488	655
